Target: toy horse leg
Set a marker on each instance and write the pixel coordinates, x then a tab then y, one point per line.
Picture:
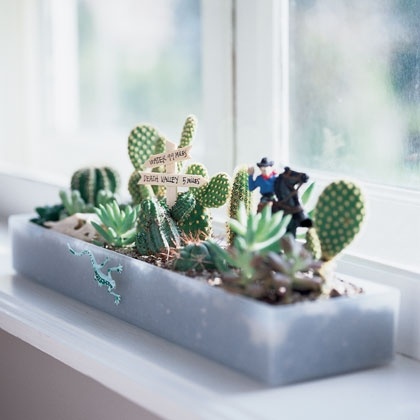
260	207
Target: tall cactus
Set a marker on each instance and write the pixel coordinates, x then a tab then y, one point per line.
338	216
90	180
156	231
212	195
239	194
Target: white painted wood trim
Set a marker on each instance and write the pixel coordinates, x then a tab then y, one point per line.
175	383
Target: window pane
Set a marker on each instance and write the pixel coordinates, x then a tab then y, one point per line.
101	68
355	88
138	59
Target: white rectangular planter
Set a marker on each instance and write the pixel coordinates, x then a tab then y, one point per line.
276	344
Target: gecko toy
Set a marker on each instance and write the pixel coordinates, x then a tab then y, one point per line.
101	278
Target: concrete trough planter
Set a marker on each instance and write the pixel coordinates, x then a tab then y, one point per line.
275	344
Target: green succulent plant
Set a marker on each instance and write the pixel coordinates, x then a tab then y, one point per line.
286	277
118	226
255	235
104	197
297	264
259	232
48	214
74	203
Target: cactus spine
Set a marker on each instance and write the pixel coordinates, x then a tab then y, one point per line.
338	215
90	180
239	194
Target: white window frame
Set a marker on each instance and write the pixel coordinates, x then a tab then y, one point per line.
262	93
244	44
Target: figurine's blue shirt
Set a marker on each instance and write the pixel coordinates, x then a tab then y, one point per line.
266	184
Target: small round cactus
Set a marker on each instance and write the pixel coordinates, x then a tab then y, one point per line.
338	216
187	135
90	180
194	256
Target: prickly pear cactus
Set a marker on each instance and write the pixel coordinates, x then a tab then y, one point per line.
313	244
139	192
156	231
212	195
187	135
143	141
90	180
239	193
338	216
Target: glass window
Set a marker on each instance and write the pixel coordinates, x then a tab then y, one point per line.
99	68
355	88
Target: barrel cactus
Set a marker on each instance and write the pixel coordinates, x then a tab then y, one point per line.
195	256
90	180
338	216
212	195
239	194
156	231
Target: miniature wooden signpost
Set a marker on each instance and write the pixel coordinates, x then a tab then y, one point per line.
170	179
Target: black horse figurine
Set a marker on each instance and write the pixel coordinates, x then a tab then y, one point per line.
286	187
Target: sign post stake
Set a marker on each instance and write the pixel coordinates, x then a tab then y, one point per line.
170	179
171	168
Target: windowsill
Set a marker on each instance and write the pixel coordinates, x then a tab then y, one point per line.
175	383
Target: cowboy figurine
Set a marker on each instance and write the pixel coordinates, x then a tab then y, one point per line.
265	181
